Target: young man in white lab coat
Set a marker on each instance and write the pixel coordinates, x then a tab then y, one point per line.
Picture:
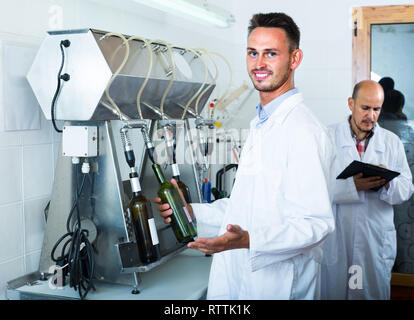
360	254
265	238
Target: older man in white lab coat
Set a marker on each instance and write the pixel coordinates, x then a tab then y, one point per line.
266	236
360	254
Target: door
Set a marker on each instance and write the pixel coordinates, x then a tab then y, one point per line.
383	50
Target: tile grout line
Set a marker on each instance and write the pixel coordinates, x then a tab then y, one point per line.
23	211
6	204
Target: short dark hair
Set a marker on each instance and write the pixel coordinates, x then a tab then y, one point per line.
387	84
394	101
277	20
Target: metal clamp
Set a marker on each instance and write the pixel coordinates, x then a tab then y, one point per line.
204	123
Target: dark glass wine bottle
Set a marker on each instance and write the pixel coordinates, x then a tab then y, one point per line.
183	226
183	187
146	232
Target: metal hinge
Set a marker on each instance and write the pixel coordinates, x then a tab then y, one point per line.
355	28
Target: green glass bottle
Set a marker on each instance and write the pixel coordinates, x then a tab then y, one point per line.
183	187
183	226
145	230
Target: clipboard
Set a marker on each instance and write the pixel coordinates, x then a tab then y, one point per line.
368	170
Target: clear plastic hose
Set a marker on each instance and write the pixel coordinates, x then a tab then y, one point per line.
228	85
112	34
172	73
211	84
202	85
230	79
148	46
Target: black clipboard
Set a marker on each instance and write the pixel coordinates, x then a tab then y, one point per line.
368	170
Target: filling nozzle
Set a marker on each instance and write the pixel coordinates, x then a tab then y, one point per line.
130	158
148	143
205	143
127	144
167	131
128	151
203	147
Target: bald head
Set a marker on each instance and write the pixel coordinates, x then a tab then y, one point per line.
365	106
368	87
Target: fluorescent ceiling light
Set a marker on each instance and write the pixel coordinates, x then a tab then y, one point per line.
197	10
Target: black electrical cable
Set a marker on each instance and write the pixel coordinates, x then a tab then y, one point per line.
92	198
79	256
75	202
65	77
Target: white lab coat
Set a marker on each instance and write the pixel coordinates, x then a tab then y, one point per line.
280	197
364	241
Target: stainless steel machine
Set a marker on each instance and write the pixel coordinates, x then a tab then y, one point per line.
98	83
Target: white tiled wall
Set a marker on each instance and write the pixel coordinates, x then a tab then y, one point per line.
11	269
11	189
12	231
37	170
27	160
26	175
34	223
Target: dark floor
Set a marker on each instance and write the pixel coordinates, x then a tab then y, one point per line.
402	293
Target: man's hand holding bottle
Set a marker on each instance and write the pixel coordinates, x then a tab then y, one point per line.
166	211
234	237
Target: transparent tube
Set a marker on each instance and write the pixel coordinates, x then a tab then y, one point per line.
172	73
148	46
228	85
201	87
211	84
121	66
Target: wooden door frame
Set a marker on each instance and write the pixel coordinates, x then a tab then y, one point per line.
362	19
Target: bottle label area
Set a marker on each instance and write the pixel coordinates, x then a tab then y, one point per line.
153	231
175	170
135	185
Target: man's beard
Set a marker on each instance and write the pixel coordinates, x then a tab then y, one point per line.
361	129
272	86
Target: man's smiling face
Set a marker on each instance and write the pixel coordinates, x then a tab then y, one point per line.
268	58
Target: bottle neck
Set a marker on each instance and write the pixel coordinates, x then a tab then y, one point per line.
135	185
158	173
136	193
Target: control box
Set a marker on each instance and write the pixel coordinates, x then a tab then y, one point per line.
80	141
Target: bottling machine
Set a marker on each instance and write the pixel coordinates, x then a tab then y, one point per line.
93	84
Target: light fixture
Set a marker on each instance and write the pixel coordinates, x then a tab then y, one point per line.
196	10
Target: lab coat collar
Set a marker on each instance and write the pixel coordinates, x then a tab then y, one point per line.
265	112
376	141
286	107
282	111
